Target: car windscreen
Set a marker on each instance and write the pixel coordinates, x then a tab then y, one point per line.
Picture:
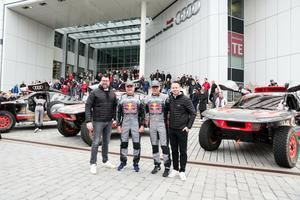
260	101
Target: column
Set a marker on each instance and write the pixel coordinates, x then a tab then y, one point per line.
95	60
65	56
143	38
86	54
76	58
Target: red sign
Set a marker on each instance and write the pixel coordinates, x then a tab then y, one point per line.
236	44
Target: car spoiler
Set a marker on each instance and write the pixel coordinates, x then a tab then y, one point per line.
294	88
39	87
230	85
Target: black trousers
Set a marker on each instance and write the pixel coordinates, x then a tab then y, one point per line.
201	116
178	141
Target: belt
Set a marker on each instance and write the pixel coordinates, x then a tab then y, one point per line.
40	104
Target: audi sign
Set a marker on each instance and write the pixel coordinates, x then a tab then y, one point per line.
187	12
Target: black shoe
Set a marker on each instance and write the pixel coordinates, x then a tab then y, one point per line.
166	173
156	169
136	168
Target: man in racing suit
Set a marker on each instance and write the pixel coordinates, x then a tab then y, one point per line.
155	105
39	112
130	119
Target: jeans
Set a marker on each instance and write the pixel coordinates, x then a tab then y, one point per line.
178	141
101	129
39	116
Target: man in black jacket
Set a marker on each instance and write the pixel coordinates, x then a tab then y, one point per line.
100	109
181	118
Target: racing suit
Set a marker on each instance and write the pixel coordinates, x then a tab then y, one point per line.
157	110
39	112
130	115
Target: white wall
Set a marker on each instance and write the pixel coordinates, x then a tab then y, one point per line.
272	41
27	50
58	54
198	46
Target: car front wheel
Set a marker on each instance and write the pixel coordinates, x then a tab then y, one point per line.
208	138
7	121
66	129
285	146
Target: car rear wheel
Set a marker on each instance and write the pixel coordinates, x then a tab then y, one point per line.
66	129
86	136
208	138
285	147
7	121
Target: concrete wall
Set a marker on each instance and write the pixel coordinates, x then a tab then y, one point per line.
27	50
272	41
197	46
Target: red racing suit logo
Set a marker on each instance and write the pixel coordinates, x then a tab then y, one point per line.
155	108
129	108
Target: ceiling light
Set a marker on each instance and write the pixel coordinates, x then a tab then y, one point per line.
27	7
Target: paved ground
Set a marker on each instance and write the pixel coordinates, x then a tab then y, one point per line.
230	153
40	172
29	171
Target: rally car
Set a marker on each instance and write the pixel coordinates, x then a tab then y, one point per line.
72	117
269	115
22	109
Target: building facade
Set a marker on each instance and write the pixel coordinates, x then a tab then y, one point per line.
248	41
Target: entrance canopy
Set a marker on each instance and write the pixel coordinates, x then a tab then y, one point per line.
97	23
66	13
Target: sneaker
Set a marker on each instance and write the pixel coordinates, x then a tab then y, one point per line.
93	169
136	168
182	176
36	130
156	169
121	166
166	173
108	164
173	173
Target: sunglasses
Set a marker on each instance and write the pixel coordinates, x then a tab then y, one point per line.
129	86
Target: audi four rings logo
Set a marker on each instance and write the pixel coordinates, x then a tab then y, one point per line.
188	11
37	87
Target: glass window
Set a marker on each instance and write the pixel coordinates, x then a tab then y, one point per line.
71	45
56	70
121	56
91	52
69	69
108	56
115	55
235	42
58	39
118	57
237	8
237	25
81	49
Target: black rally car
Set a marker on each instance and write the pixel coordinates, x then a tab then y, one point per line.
22	109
